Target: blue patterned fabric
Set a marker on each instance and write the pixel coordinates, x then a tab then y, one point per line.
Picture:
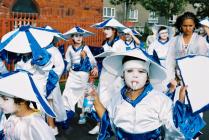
1	135
85	65
52	80
190	124
93	115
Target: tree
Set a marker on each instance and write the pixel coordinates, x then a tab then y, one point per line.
202	7
127	3
165	8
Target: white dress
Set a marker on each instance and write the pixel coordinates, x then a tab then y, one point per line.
31	127
3	68
177	50
57	104
77	80
107	79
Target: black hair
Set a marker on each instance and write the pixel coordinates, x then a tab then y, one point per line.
161	28
115	36
20	100
128	58
186	15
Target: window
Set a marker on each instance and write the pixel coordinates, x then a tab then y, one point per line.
108	12
153	19
133	14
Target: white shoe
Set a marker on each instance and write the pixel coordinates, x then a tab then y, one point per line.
54	131
94	131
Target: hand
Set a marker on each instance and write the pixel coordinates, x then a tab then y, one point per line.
83	54
94	72
173	85
94	94
182	93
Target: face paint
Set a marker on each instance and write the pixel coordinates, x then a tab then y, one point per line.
163	34
135	78
8	106
108	32
78	38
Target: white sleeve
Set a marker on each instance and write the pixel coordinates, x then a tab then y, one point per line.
119	46
151	48
58	62
170	62
203	49
68	58
90	55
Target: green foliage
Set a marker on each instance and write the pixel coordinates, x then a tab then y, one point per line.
202	7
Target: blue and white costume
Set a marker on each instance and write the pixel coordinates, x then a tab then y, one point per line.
179	49
58	67
30	127
3	68
78	75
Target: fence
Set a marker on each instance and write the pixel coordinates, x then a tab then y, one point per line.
9	24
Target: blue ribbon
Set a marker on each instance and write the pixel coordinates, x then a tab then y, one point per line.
6	42
79	30
101	25
52	80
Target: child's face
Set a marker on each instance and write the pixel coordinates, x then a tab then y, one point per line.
163	34
78	38
108	32
128	37
135	78
7	104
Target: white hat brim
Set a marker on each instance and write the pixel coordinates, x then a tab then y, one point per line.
205	22
113	64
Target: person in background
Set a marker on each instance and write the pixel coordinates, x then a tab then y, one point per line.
205	25
81	63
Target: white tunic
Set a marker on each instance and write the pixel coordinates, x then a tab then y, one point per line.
77	80
31	127
153	111
107	79
177	50
57	104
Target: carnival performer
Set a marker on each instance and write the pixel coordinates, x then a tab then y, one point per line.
24	121
81	63
138	111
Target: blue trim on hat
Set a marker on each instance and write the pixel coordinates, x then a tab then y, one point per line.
207	38
47	108
101	25
6	42
79	30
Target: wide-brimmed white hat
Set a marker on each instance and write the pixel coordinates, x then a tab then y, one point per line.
113	64
77	30
111	22
127	30
171	30
20	84
205	22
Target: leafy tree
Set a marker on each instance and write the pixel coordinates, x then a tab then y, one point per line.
202	7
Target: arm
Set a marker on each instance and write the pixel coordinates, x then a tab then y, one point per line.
68	58
137	41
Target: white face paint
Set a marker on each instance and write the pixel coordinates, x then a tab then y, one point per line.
78	38
7	104
163	34
128	37
108	32
135	78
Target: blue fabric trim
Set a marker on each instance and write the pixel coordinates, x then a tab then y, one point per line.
171	95
110	43
49	46
6	42
85	65
105	131
70	115
52	80
207	38
144	93
102	25
40	55
128	43
93	115
40	99
2	135
163	43
78	49
189	124
79	30
63	124
151	135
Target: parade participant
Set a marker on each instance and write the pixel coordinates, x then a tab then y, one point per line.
24	122
131	40
205	24
81	63
111	44
186	43
161	43
137	110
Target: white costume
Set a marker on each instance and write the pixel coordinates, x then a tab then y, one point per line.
77	79
3	68
177	49
30	127
107	79
58	67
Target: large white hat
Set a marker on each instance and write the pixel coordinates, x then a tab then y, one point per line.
114	65
20	84
77	30
205	21
58	35
156	27
111	22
